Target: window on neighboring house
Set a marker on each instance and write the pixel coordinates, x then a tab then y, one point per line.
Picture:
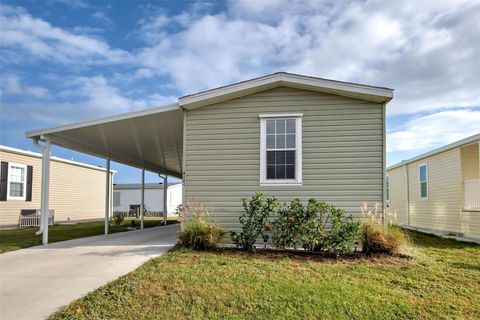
16	181
281	145
387	187
423	177
116	199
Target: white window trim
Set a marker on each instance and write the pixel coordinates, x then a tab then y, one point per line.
420	181
10	165
263	149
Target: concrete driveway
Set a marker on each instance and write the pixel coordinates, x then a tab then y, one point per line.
38	281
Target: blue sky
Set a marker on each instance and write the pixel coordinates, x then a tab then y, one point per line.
66	61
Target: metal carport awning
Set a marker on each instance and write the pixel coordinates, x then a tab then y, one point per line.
150	140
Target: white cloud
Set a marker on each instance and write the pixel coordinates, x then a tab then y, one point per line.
103	18
426	50
76	4
97	94
86	98
87	30
434	130
12	85
40	40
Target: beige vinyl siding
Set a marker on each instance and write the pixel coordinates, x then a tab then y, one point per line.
471	223
76	192
442	210
471	170
397	205
342	151
470	162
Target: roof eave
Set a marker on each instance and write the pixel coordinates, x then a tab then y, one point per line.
448	147
358	91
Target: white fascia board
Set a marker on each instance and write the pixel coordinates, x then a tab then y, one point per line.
448	147
53	158
366	92
124	116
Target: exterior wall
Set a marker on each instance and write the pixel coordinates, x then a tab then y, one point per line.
342	151
76	192
442	210
471	170
153	198
471	223
470	162
397	205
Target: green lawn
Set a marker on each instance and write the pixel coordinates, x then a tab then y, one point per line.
25	237
441	282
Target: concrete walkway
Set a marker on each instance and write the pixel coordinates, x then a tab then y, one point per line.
38	281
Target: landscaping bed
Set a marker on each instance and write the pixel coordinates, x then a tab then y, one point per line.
25	237
440	282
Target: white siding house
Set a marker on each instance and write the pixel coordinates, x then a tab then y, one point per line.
129	194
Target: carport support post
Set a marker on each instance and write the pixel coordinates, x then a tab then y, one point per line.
45	190
107	193
165	194
142	205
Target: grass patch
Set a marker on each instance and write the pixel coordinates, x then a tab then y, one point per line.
15	239
441	282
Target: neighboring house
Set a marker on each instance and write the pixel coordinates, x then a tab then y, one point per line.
77	190
285	135
439	190
129	194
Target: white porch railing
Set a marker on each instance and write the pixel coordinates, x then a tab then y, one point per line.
472	194
33	219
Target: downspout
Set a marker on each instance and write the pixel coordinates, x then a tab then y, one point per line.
184	155
165	199
39	146
43	228
384	163
142	201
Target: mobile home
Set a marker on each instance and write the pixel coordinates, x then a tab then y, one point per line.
128	195
438	191
77	189
286	135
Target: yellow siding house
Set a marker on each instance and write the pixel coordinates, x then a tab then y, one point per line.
438	191
77	189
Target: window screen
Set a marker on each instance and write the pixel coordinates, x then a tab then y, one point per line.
423	175
280	148
17	181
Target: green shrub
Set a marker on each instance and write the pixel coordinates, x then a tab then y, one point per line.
379	239
118	217
342	231
254	221
295	225
197	234
316	226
